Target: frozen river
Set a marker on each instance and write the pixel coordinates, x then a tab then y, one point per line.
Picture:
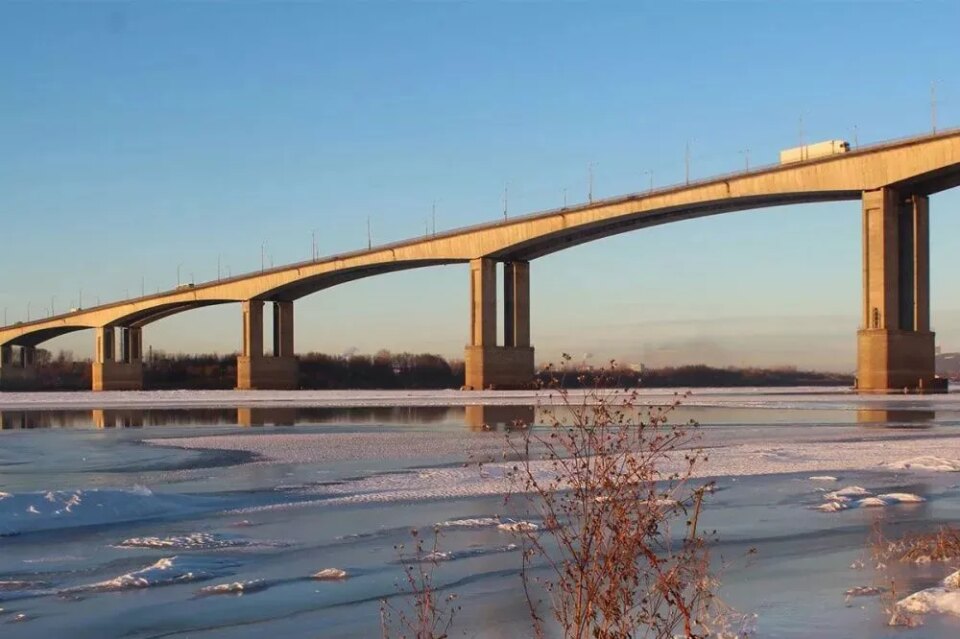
120	513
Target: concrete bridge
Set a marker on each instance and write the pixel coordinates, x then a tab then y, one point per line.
895	345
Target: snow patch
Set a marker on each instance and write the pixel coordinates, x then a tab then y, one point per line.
822	478
171	570
192	541
473	522
925	462
438	555
849	491
936	600
235	588
952	580
518	527
845	499
943	599
330	574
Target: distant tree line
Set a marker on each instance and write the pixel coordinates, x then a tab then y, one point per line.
59	372
386	370
697	376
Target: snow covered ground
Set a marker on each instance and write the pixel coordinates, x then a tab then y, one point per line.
905	454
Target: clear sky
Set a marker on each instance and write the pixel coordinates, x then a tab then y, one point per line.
137	137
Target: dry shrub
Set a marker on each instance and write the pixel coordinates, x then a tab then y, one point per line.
611	482
910	548
942	544
421	612
897	617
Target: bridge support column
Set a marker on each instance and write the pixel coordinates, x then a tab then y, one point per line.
486	364
17	368
895	347
118	373
256	371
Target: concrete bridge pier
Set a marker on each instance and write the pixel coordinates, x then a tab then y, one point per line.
113	372
255	371
488	365
895	346
17	368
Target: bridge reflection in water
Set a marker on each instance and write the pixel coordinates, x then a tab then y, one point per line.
266	416
104	418
896	417
474	417
497	417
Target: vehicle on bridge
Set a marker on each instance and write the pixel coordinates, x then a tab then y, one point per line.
812	151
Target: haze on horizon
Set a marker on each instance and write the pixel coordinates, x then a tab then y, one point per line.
141	138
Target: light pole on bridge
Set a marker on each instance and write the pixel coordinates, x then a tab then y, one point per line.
933	106
590	183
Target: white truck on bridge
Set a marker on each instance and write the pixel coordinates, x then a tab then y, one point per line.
815	150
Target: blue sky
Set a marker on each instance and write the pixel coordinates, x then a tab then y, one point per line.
139	137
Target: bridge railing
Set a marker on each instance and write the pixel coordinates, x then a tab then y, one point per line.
661	190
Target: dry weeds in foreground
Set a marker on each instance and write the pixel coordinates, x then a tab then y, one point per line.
942	544
938	546
617	568
421	612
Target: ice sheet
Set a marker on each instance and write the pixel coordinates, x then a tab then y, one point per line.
47	510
